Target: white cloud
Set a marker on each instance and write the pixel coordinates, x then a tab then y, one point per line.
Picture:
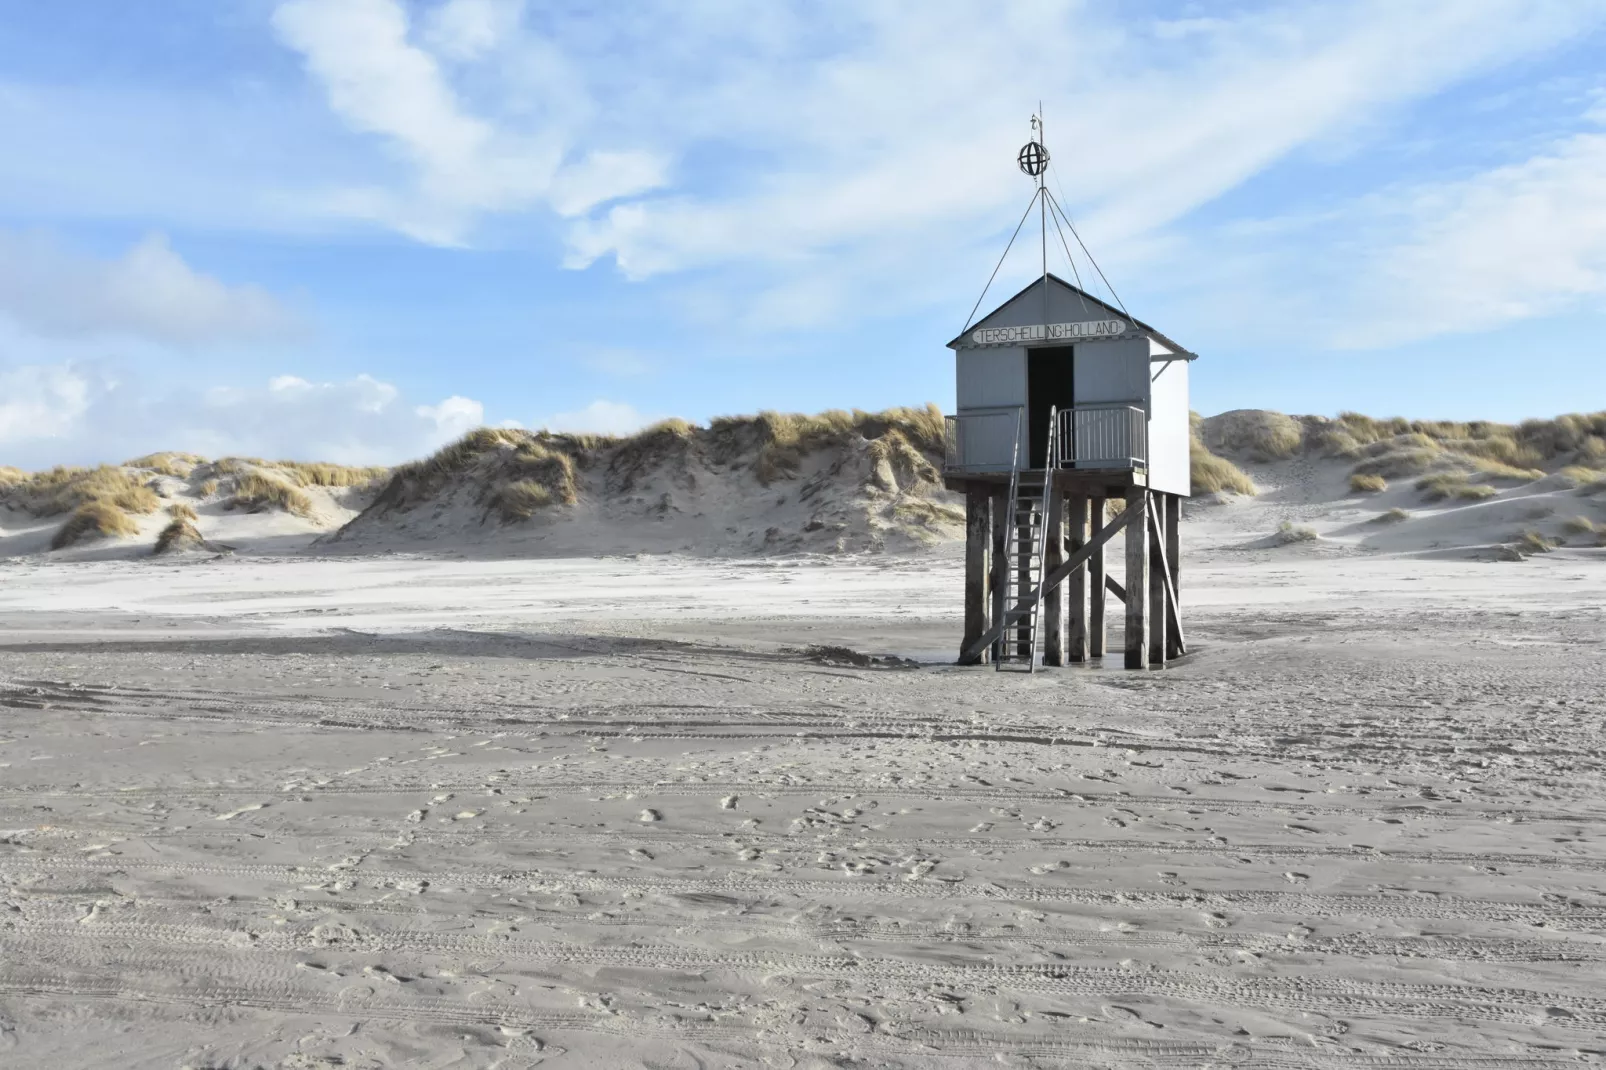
910	124
381	82
149	293
601	417
1509	244
807	161
40	402
862	174
466	30
80	414
455	416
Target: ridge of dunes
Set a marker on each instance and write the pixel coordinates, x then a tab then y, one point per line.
836	482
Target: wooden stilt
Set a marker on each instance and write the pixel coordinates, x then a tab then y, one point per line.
1137	580
1053	557
1095	581
978	551
1159	576
1076	587
1173	559
998	565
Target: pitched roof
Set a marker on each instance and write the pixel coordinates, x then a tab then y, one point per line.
1085	296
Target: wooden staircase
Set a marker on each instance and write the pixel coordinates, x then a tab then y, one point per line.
1016	649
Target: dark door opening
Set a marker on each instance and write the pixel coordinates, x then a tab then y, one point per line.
1050	383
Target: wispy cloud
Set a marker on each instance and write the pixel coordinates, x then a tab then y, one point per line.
1509	244
81	413
149	292
601	417
383	82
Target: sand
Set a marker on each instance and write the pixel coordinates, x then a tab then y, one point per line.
407	811
473	809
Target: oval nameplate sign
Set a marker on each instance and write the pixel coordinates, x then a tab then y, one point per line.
1052	332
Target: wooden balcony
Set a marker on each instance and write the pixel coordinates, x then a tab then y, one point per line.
989	444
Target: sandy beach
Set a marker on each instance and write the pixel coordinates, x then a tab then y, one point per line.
408	811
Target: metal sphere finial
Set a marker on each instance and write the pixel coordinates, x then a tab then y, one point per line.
1033	159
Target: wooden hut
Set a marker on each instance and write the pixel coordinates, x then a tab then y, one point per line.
1066	404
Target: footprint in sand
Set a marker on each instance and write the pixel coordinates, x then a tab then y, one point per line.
1117	1013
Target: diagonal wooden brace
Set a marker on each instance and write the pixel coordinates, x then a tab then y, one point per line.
1174	610
1053	579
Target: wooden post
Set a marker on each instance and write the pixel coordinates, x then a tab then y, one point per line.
998	566
1095	581
1173	558
1076	533
978	550
1137	579
1053	555
1159	616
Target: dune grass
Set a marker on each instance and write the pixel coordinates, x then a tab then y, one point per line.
927	512
317	474
180	534
1260	434
63	489
1367	483
181	511
897	464
10	477
167	463
1579	475
1289	532
94	519
1398	448
255	491
1393	516
785	438
1442	485
522	500
1211	474
1533	542
518	474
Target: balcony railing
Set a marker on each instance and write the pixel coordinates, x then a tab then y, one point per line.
1090	436
1103	436
985	440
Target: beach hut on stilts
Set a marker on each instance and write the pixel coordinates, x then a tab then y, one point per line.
1071	428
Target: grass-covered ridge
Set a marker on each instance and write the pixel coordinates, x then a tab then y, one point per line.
521	473
107	501
1444	459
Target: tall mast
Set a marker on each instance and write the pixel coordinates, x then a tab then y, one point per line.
1042	208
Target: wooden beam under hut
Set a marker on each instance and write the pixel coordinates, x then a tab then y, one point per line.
1076	530
1096	578
1137	579
1053	557
978	557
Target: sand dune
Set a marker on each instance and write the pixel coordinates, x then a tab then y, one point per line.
842	483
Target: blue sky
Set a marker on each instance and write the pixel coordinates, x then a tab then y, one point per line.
352	229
